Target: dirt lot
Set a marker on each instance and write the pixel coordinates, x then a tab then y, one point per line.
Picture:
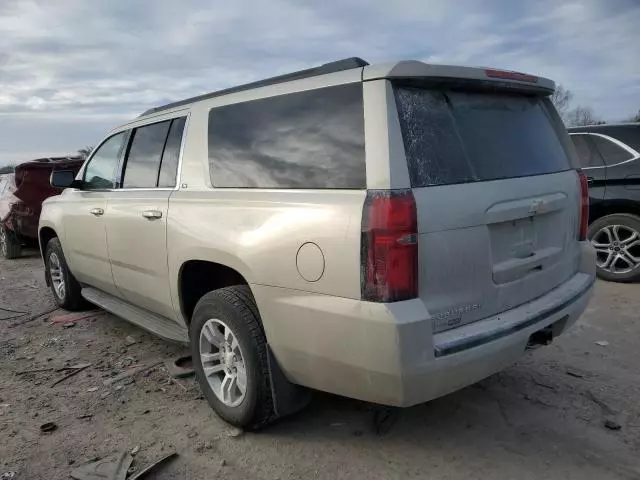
543	418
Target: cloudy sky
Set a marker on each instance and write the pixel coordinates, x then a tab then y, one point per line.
72	69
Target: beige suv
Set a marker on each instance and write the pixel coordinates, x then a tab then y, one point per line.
389	233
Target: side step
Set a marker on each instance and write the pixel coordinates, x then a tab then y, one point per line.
160	326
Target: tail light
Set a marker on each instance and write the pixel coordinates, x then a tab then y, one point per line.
389	248
584	207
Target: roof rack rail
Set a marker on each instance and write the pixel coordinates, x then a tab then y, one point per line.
331	67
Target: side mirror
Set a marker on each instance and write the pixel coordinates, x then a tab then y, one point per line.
63	179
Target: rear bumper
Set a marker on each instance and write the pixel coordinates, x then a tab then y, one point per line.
388	354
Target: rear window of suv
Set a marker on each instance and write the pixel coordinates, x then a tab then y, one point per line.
458	137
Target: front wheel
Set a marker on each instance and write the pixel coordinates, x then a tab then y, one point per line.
65	288
616	239
229	351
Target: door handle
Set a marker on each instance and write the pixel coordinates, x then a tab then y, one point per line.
96	211
152	214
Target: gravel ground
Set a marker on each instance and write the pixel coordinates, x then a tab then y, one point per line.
541	419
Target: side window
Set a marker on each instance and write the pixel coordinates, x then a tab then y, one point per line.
587	153
312	139
100	172
145	154
171	155
611	152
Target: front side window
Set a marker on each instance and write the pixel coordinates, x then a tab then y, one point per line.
611	152
100	172
308	140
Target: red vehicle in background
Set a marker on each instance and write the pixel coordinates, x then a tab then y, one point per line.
21	197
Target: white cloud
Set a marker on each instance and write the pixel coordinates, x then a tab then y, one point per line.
92	64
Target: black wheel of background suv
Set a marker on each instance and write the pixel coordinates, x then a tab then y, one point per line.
229	350
617	241
65	288
10	247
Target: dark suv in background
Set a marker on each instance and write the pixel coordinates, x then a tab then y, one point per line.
21	197
610	157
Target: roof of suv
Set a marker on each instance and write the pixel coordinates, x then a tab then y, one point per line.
407	69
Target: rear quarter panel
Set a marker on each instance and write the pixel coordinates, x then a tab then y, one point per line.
259	234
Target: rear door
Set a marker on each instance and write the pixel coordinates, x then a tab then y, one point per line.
136	216
497	199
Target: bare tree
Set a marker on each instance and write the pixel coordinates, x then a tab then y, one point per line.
581	116
85	152
561	98
635	118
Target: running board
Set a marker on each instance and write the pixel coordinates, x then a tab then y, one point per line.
160	326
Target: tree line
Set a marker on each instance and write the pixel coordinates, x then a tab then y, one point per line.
580	115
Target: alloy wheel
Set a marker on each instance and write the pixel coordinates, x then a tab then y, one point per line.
57	277
617	248
223	362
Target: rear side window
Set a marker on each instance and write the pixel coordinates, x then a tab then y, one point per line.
171	155
611	152
458	137
587	152
152	160
312	139
145	154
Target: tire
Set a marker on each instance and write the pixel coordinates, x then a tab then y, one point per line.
56	269
617	241
10	247
233	308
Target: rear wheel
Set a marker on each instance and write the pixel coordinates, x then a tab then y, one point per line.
10	247
65	288
229	351
616	239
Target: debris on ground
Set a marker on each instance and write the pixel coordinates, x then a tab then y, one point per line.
72	317
135	450
129	373
606	409
69	325
201	446
85	416
612	424
8	475
48	427
130	340
574	373
92	389
235	433
602	343
34	370
180	367
113	467
75	369
153	466
33	317
223	463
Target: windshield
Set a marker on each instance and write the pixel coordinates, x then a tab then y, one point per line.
458	137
